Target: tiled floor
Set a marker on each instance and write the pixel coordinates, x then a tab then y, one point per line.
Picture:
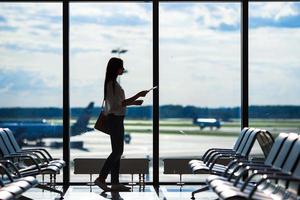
174	193
84	193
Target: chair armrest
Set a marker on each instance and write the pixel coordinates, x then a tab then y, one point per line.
37	152
206	156
234	163
212	149
281	176
34	155
251	166
8	162
25	156
42	150
6	172
257	160
229	166
219	155
255	173
213	162
266	177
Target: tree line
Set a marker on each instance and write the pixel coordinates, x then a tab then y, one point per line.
165	111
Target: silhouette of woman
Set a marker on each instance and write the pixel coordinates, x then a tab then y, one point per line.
115	109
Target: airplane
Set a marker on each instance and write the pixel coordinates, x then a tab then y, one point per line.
37	130
207	122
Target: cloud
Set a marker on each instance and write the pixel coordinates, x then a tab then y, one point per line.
108	21
4	26
274	10
100	13
199	52
223	17
2	19
38	28
226	27
274	14
44	48
274	66
22	80
8	28
29	88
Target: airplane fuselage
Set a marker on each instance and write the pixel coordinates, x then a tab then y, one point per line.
34	131
207	122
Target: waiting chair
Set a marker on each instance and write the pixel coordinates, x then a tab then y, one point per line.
211	166
45	155
37	168
286	159
14	188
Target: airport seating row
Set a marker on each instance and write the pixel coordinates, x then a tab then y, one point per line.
28	162
13	188
212	161
247	179
282	165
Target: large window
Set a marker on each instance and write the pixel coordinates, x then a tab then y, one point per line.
199	74
31	74
274	70
199	79
99	31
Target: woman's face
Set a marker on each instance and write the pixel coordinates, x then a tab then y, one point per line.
120	70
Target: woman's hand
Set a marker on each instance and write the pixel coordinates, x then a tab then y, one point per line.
133	100
138	102
143	93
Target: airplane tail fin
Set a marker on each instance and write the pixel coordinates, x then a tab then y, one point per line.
195	119
82	122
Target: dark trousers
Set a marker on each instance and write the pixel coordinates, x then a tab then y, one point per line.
112	164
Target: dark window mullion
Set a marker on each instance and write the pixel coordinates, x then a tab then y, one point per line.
66	96
155	94
244	66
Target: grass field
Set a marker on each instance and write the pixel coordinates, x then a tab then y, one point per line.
186	127
188	122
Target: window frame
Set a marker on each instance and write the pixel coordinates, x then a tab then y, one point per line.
155	24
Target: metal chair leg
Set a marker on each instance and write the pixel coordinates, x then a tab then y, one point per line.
45	187
205	188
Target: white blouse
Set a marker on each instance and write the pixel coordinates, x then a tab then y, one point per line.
114	98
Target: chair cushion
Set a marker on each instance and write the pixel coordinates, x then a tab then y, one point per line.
29	179
62	162
5	195
14	189
24	185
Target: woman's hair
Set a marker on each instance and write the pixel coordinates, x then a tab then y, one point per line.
113	65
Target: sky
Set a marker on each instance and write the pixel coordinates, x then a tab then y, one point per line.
199	49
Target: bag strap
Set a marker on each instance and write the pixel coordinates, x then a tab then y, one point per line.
102	104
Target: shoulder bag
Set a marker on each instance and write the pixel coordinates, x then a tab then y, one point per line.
101	123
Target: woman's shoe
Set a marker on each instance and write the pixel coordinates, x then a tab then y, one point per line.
119	187
101	184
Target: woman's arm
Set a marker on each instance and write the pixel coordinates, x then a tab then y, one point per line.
136	103
133	100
